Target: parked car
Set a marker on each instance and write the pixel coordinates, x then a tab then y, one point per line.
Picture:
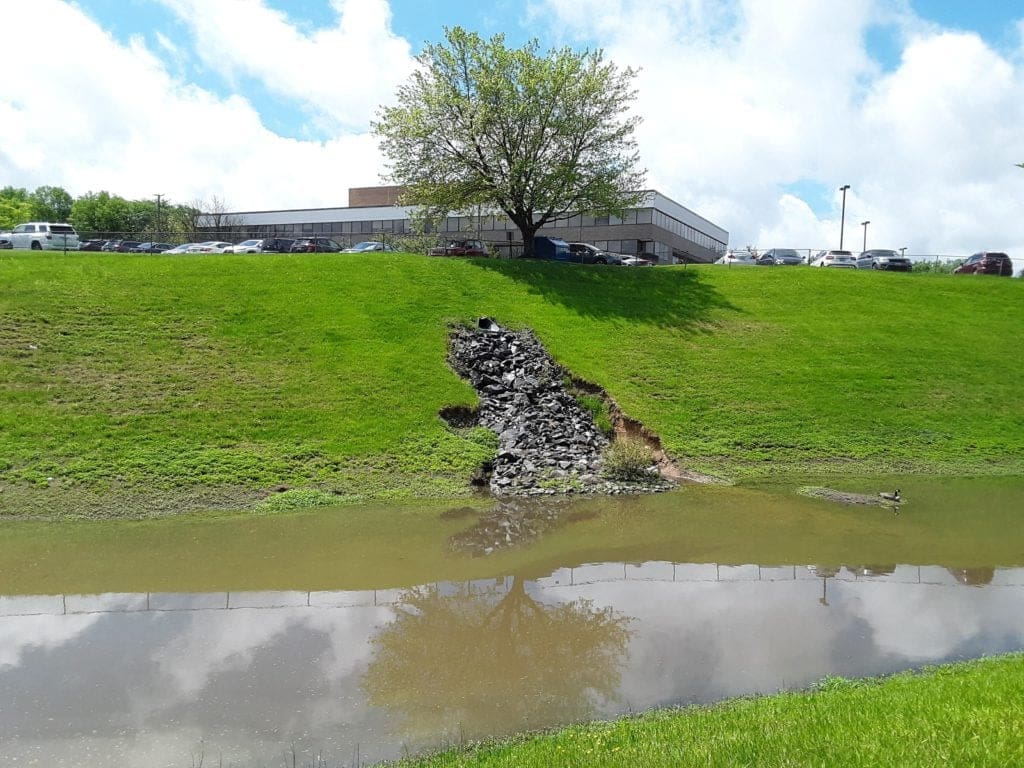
739	258
780	257
5	241
263	245
246	246
841	259
94	244
277	244
461	248
636	261
44	236
879	258
369	245
585	253
315	245
150	248
125	246
986	263
183	248
210	246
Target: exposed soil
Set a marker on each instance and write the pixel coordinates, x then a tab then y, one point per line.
548	442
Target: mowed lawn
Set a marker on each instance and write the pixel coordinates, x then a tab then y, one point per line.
968	715
190	375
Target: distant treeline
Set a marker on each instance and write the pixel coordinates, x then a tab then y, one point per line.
104	212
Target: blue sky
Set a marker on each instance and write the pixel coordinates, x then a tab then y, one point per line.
754	112
422	21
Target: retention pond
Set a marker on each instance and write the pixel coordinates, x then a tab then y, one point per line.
352	635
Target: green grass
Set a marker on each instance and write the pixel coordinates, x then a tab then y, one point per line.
968	714
138	385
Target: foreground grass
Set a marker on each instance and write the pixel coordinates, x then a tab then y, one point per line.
968	714
145	385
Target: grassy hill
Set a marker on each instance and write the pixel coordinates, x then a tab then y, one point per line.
143	384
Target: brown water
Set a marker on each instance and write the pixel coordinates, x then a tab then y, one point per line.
363	634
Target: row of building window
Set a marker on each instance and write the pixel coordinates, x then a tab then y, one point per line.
488	224
686	231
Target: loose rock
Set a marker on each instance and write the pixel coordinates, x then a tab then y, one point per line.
548	443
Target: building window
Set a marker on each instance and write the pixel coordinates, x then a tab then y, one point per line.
643	216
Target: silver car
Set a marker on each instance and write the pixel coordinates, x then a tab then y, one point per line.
883	259
842	259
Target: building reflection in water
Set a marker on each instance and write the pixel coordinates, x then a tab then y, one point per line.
124	679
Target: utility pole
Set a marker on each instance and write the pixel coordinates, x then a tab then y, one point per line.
158	195
865	225
842	218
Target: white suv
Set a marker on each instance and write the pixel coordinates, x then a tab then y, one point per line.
43	236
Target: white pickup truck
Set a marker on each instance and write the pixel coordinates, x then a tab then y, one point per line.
44	236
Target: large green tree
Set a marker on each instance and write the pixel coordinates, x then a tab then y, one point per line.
15	207
537	136
51	204
101	212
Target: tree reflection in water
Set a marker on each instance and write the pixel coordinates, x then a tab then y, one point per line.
973	577
475	663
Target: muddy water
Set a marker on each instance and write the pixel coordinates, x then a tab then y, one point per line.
363	634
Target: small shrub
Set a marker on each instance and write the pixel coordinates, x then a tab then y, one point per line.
937	267
296	498
598	410
483	437
628	459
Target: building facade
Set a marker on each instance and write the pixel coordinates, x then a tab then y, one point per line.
659	228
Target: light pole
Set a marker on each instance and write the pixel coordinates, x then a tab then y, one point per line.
842	218
903	251
864	224
158	195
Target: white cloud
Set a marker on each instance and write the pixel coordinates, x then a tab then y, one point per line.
19	634
741	99
102	115
342	73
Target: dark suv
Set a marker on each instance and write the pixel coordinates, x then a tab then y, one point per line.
277	244
314	245
986	263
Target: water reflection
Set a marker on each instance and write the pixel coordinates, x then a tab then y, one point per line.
155	678
445	658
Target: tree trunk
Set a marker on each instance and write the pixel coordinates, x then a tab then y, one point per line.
527	230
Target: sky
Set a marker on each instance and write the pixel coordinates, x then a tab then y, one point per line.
755	112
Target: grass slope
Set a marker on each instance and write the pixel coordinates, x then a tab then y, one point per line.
969	714
145	384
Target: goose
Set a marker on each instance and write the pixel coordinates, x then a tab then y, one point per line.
894	496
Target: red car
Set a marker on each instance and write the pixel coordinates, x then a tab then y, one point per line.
461	248
986	263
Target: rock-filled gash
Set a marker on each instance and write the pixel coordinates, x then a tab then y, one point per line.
547	442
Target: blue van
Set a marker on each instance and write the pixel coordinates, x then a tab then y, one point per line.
551	248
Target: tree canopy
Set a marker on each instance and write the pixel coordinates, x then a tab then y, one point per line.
539	137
